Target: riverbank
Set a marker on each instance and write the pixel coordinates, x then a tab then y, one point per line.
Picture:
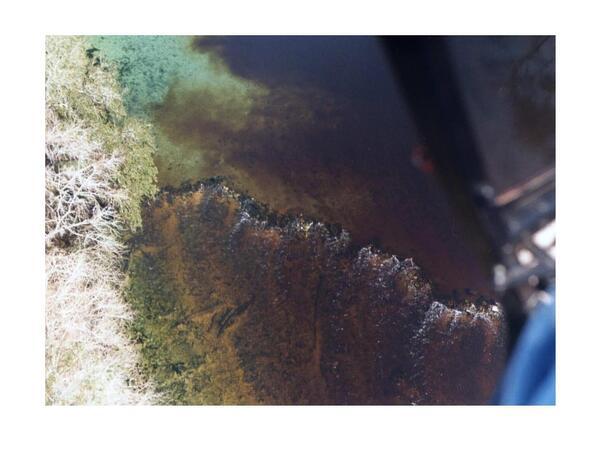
99	169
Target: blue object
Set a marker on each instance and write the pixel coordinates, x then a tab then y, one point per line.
530	378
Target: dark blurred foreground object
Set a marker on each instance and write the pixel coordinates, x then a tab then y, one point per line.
530	377
485	108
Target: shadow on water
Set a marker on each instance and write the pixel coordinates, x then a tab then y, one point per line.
508	85
322	130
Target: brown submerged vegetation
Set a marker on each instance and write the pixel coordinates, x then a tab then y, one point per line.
238	305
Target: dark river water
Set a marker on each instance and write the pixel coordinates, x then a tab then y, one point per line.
319	127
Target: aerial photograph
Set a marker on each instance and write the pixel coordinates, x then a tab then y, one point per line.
300	220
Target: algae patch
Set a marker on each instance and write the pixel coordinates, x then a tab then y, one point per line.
173	346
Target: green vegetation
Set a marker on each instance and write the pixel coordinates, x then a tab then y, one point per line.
162	330
137	174
84	96
99	168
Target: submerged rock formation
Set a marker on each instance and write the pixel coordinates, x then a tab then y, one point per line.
240	305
